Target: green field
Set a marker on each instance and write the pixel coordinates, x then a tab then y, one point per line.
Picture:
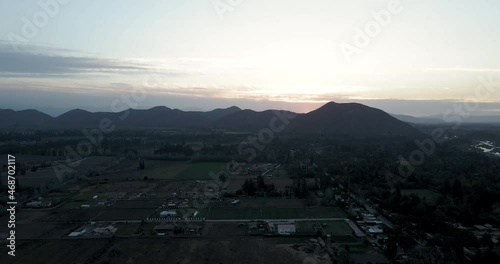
183	171
336	228
72	205
309	227
422	193
127	229
275	213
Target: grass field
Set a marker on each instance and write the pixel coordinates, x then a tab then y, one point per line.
309	227
124	214
275	213
336	228
171	171
58	251
422	193
127	229
188	171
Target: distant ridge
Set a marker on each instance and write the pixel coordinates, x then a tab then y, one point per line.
432	120
332	118
26	118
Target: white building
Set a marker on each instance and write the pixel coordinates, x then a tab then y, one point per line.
168	213
286	229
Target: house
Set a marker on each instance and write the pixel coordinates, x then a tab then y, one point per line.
480	227
286	229
194	228
164	229
108	230
34	204
168	213
375	230
77	233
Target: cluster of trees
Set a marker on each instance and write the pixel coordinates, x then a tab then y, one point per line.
258	188
142	165
174	149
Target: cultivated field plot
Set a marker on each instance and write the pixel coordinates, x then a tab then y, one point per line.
187	171
43	230
270	202
56	251
306	228
129	190
336	228
124	214
140	204
327	212
356	245
25	217
225	230
70	215
120	187
95	204
126	230
422	193
250	250
28	231
284	213
218	213
166	189
170	171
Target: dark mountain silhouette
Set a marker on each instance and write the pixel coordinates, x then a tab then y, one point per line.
351	119
25	118
245	120
219	113
332	118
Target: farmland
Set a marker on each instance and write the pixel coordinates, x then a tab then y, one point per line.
274	213
167	170
225	250
131	200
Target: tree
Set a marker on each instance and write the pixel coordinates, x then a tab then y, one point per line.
310	200
142	165
222	177
261	185
249	187
457	192
329	198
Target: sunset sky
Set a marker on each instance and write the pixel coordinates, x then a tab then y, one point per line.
259	54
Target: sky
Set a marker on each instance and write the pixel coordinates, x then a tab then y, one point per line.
403	56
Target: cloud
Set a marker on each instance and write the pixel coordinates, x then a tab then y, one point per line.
463	69
48	62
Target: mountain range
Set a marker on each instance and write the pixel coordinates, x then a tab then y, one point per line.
433	120
332	118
